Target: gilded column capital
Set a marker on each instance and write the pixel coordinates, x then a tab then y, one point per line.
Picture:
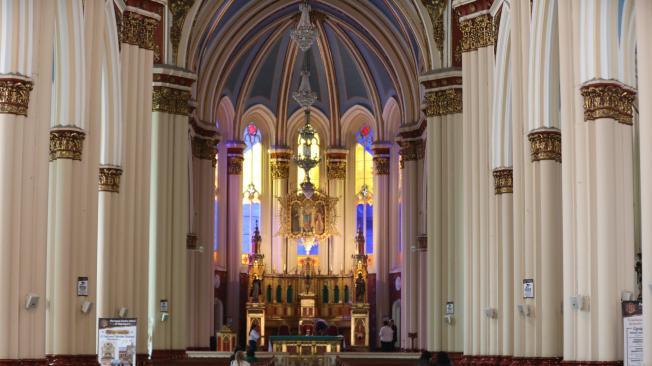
204	148
545	144
503	181
66	143
608	99
234	157
381	154
477	32
411	150
280	162
172	90
443	102
436	12
138	28
109	178
179	10
336	163
14	94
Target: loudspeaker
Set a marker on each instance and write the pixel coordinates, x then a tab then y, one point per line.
86	307
31	301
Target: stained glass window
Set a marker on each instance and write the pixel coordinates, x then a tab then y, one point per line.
216	212
364	185
251	183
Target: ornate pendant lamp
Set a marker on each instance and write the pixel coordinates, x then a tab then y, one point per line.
305	33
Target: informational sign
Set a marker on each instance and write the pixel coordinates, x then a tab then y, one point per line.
164	306
450	308
528	288
116	342
82	286
633	333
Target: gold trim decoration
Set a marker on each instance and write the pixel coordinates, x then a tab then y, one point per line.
234	165
14	95
204	148
608	99
477	32
170	100
436	11
443	102
303	217
66	143
280	168
381	165
109	179
545	144
336	169
411	150
503	180
138	30
179	10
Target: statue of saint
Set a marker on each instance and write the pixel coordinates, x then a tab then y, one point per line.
255	290
359	288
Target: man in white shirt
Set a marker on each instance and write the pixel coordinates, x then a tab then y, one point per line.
386	336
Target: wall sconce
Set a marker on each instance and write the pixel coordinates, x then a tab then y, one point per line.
31	301
490	313
86	307
164	317
523	309
449	319
123	312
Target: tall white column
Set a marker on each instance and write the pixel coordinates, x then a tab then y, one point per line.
412	150
443	110
336	174
280	172
200	259
597	118
124	235
644	54
169	212
25	91
234	160
478	40
73	189
381	236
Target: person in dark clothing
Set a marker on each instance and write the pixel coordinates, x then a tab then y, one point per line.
425	358
394	335
442	359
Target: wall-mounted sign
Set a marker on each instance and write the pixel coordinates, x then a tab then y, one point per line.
528	288
633	333
82	286
164	306
116	341
450	308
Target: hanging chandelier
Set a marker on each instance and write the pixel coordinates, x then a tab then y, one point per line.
305	33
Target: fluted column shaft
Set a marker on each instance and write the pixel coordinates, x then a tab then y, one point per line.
234	160
280	172
25	86
169	219
644	53
597	118
336	172
381	207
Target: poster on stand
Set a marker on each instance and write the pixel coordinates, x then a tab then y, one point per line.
633	333
116	342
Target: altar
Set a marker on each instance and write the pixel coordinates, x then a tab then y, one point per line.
305	345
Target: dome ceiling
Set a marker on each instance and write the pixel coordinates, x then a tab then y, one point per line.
366	54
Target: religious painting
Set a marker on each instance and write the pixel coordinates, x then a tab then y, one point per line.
295	214
360	332
320	214
307	219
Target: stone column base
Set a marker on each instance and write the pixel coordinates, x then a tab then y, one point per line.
72	360
24	362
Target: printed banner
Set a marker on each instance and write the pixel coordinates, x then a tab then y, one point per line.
117	342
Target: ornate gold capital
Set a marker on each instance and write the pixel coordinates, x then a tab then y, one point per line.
608	99
179	10
503	180
14	95
280	168
204	148
411	150
336	169
170	100
381	165
477	32
234	164
138	30
443	102
110	179
436	11
545	144
66	143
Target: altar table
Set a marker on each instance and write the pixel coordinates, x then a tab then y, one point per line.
305	345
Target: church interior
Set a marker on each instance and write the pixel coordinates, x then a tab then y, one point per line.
328	182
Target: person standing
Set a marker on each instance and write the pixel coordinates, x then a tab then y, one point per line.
254	336
394	334
386	336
